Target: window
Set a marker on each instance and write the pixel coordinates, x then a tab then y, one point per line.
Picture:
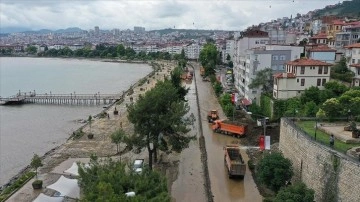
320	70
282	57
275	57
274	67
323	82
257	42
318	82
326	69
353	61
302	82
358	71
254	92
281	67
302	70
297	80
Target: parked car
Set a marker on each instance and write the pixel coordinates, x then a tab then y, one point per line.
138	165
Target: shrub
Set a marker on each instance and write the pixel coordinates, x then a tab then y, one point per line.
295	193
274	170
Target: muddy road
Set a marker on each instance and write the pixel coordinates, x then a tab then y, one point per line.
223	188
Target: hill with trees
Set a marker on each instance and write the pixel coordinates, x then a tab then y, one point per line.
343	9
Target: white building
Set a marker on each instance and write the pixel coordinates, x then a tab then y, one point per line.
353	53
300	74
322	53
192	51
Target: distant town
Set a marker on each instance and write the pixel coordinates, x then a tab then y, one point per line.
271	44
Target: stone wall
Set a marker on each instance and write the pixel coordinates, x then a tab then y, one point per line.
332	175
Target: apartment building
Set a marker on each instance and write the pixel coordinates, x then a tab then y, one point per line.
353	54
257	59
350	34
300	74
192	51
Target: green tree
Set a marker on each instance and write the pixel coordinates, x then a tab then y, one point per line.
310	109
36	163
310	94
228	58
120	50
341	67
297	192
274	170
90	120
231	64
332	108
31	49
176	81
108	180
263	79
117	137
336	87
160	121
218	88
209	58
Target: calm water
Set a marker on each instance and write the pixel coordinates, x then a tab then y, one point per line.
34	128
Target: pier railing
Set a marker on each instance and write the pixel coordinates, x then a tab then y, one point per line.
50	98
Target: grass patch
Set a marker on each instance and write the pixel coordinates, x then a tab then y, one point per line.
309	128
16	185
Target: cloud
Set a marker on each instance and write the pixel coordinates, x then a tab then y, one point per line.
151	14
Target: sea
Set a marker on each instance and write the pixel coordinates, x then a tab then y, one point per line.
30	129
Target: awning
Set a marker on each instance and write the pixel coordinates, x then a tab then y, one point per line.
73	170
44	198
245	102
66	187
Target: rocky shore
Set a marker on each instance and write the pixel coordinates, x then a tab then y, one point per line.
102	127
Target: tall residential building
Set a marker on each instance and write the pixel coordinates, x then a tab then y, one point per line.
192	51
97	31
353	53
260	58
350	34
139	29
300	74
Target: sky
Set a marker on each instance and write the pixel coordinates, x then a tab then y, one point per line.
151	14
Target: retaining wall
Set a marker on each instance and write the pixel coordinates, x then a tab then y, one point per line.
332	175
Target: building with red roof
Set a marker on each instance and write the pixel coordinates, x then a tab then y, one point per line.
300	74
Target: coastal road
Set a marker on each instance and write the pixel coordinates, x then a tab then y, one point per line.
223	188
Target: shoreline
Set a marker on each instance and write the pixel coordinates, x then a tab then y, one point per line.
47	154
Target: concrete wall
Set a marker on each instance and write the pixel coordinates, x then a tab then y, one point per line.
332	175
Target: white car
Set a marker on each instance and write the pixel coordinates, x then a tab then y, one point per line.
138	165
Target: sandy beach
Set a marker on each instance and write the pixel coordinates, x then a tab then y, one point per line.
61	158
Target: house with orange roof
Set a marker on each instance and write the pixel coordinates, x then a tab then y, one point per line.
352	55
323	53
300	74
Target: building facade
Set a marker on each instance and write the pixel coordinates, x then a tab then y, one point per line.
300	74
352	54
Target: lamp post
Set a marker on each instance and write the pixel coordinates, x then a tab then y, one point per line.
348	115
316	122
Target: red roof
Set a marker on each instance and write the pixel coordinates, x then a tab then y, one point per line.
284	75
322	49
355	65
308	62
319	36
355	45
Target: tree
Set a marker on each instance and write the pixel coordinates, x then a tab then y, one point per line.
310	94
31	49
176	81
117	137
120	50
263	79
109	180
90	120
332	108
231	64
341	66
274	170
36	163
209	58
336	87
159	120
310	109
297	192
228	58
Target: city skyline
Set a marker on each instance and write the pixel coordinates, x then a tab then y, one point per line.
159	14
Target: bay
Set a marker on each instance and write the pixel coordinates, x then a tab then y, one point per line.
35	128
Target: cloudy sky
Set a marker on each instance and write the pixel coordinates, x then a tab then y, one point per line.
151	14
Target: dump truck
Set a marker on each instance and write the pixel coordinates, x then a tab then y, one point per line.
202	71
229	128
234	162
212	116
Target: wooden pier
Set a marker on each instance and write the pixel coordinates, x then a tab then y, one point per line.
70	99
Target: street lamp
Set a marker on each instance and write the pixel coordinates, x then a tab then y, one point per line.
316	122
348	115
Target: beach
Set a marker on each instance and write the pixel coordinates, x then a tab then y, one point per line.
60	158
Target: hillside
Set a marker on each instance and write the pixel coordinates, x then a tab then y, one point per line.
344	9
